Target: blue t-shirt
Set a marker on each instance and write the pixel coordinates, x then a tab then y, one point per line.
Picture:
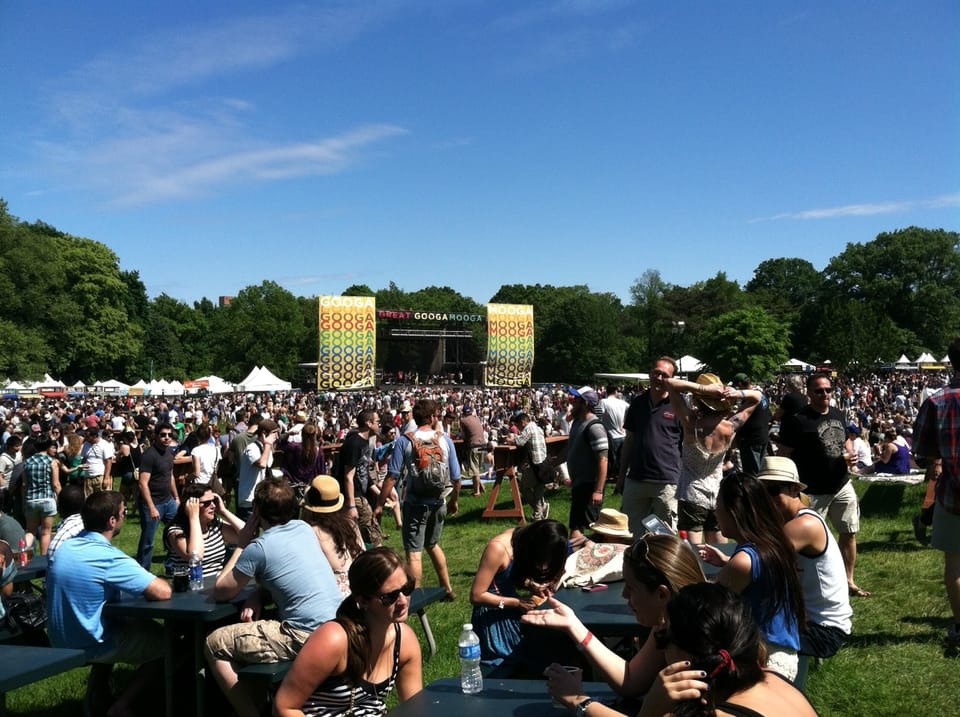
88	573
781	629
287	560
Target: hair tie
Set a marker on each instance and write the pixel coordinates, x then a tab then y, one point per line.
725	660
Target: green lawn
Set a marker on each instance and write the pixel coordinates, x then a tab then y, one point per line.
893	665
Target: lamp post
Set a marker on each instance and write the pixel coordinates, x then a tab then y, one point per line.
678	328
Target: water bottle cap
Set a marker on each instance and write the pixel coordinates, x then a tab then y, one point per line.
468	626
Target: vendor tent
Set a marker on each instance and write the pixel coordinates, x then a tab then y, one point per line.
926	357
905	364
689	364
797	365
261	378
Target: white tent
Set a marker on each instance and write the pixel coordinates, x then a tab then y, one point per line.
946	360
112	387
261	378
689	364
926	357
623	377
797	365
213	384
175	389
905	364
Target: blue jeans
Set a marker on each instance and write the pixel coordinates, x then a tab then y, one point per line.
148	528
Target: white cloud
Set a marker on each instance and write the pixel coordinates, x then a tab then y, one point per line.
326	156
862	210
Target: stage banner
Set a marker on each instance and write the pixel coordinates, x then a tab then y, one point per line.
509	345
348	339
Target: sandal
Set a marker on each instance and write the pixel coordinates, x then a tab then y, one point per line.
858	592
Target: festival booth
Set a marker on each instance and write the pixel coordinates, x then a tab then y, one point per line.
635	378
796	365
927	362
689	364
113	387
905	364
14	389
210	384
78	390
49	387
262	380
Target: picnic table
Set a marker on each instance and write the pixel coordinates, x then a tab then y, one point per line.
499	697
23	665
197	610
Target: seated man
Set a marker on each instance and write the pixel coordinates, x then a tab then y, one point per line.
287	561
88	573
69	505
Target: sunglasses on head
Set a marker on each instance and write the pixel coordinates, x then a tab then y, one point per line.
391	597
640	559
823	391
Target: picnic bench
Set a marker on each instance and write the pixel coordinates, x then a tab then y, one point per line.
21	665
273	673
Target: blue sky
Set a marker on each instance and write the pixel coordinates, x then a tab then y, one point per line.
213	145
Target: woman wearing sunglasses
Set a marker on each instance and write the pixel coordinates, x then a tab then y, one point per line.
716	653
202	525
351	663
655	568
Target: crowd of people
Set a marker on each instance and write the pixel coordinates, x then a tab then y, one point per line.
257	486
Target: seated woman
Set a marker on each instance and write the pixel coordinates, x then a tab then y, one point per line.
530	559
303	460
655	567
763	567
338	533
894	455
198	527
350	663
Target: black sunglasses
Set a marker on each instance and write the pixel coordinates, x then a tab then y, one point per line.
165	434
205	503
391	597
639	559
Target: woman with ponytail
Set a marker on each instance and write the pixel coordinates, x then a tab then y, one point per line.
716	651
351	663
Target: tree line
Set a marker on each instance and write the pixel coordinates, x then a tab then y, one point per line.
68	308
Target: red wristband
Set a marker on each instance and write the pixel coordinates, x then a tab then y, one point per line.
582	645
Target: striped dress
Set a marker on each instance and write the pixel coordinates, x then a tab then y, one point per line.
214	550
336	696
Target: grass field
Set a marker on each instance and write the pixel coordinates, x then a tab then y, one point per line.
893	665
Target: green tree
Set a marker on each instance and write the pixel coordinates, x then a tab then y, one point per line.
588	340
855	336
912	276
695	305
263	325
748	340
649	318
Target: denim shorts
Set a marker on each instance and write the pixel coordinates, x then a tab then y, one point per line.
40	508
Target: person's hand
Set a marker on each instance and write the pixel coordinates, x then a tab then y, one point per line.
154	513
218	503
555	615
452	506
529	603
564	686
712	555
543	590
271	439
192	508
675	683
597	497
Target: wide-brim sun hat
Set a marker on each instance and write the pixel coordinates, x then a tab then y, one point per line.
714	403
613	523
323	495
779	469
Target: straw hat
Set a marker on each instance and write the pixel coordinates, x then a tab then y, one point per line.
778	469
714	403
612	522
323	495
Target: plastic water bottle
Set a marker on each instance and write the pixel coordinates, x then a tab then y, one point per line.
196	572
471	679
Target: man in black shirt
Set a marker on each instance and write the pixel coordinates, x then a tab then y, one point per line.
356	457
814	438
754	434
650	456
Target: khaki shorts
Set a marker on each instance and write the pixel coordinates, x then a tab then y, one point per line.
474	462
132	643
259	641
842	509
92	484
946	530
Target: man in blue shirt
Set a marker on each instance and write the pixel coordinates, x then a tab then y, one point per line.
88	573
286	560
